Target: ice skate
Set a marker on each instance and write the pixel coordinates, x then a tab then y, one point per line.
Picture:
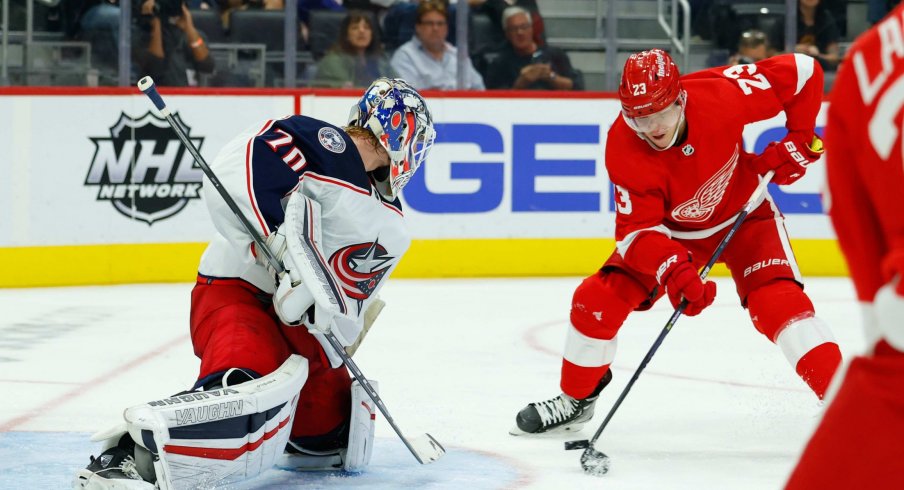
559	414
114	469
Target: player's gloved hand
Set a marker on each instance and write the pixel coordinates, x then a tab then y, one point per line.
292	299
680	278
276	242
789	157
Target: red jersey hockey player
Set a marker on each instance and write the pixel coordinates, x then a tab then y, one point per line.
676	158
326	199
858	442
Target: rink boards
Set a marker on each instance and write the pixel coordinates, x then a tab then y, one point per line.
97	189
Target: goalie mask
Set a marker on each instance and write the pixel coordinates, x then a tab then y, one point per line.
651	96
398	116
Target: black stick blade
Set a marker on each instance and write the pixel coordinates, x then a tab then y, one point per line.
569	445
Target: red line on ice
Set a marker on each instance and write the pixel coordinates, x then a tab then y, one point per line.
530	337
83	388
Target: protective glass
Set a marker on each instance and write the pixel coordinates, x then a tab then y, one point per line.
666	118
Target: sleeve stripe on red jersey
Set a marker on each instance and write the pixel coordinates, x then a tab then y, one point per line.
625	243
804	65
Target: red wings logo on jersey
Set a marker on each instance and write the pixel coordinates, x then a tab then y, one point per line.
708	196
360	268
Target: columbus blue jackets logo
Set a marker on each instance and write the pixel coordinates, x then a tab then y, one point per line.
331	139
360	268
143	169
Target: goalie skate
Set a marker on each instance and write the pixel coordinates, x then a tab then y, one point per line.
560	414
115	469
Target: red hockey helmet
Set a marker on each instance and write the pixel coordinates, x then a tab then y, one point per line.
649	84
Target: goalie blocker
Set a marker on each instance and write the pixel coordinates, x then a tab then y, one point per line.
208	438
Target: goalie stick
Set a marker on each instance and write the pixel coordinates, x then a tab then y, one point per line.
425	448
596	462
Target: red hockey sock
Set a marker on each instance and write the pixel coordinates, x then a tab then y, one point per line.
818	366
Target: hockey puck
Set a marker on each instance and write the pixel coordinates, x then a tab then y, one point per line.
594	462
569	445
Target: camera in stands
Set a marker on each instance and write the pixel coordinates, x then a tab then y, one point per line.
162	8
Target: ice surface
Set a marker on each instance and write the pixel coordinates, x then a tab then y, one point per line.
718	406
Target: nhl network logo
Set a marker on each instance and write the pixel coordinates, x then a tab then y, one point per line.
143	169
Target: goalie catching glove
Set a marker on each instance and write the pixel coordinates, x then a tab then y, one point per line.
307	281
789	157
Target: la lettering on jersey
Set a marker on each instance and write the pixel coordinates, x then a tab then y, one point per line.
871	97
864	160
703	180
360	235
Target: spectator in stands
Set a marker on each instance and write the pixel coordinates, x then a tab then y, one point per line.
876	9
495	8
400	22
306	6
428	61
817	33
524	64
752	47
97	22
357	58
227	6
167	46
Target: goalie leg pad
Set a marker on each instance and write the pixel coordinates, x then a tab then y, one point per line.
361	430
203	439
356	456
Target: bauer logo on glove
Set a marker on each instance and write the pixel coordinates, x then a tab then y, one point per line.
788	158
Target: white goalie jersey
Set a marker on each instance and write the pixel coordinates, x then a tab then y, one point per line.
361	236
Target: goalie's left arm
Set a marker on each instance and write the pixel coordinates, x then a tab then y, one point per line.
308	280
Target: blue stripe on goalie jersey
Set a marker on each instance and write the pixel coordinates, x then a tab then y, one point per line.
273	178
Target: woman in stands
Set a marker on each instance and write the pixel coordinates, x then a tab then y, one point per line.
357	58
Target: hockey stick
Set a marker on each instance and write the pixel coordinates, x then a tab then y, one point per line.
596	462
425	448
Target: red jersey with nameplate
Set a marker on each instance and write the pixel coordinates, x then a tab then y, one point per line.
864	158
857	443
702	181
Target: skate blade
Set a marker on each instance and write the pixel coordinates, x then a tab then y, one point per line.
516	431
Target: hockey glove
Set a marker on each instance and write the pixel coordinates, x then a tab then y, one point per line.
679	276
789	157
276	242
292	299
